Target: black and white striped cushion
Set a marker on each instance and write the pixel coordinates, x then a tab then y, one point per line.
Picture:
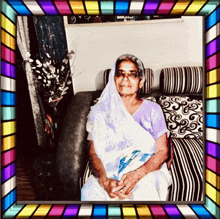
194	79
148	84
178	80
146	89
173	80
187	170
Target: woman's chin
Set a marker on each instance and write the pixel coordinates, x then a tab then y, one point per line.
125	94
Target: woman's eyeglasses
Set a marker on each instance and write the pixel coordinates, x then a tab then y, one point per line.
122	74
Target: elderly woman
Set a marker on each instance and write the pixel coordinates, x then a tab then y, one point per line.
128	140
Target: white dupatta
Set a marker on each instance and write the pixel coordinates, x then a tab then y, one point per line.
116	134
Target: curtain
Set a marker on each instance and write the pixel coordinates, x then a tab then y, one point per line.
23	43
51	39
51	36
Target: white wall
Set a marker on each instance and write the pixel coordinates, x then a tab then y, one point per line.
158	45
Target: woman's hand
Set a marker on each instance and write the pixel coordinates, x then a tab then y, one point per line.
128	182
130	179
170	161
106	183
109	185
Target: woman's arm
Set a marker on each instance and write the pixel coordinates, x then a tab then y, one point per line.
99	171
97	165
157	160
129	180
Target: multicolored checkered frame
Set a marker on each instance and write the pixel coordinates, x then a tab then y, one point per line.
208	8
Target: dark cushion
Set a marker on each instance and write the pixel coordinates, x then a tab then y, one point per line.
72	153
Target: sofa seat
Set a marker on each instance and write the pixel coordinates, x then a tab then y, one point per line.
187	167
187	170
184	117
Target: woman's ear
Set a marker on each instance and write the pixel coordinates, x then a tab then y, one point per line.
141	83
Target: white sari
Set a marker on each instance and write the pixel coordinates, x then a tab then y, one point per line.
122	145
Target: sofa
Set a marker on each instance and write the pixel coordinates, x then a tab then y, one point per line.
180	97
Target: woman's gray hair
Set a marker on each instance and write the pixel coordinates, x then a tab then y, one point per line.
135	60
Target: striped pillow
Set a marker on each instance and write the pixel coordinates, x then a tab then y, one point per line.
173	80
181	80
146	89
187	170
194	75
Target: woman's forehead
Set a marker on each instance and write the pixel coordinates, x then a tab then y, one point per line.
127	64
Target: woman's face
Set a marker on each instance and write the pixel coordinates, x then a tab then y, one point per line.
127	80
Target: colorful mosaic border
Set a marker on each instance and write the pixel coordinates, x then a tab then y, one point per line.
208	8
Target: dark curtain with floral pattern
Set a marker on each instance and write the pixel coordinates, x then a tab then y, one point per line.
52	40
51	36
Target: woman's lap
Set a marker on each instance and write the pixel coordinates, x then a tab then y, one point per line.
92	191
152	187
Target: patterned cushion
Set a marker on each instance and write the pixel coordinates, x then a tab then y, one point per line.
183	116
187	170
146	89
181	80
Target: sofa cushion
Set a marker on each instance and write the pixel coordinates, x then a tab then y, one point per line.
146	89
194	79
187	170
183	116
178	80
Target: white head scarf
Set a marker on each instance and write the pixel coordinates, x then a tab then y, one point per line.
112	126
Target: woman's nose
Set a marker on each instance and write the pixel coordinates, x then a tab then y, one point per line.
126	78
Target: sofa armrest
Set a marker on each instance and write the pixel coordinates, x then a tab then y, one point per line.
72	148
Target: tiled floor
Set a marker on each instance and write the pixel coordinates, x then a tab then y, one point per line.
25	181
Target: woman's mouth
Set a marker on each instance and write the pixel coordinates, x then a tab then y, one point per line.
125	86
